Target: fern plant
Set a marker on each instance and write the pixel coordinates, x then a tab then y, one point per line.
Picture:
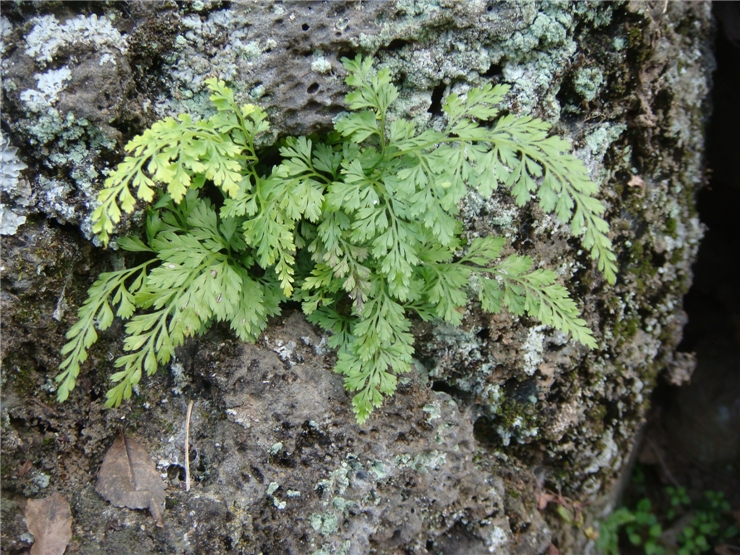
360	228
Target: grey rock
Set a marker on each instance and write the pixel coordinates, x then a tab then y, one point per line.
498	410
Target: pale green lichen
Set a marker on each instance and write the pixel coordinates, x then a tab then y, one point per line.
433	410
325	524
192	61
421	462
321	65
378	468
602	137
588	82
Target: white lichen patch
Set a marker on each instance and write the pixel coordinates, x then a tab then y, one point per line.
605	456
49	35
5	29
10	168
46	94
497	539
532	350
179	378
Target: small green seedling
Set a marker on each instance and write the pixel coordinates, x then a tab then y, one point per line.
643	527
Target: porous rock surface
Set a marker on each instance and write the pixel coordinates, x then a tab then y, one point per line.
498	410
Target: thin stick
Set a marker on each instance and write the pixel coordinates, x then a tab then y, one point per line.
187	447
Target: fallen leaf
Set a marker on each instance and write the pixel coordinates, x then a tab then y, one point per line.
50	522
543	498
24	469
552	550
128	478
726	550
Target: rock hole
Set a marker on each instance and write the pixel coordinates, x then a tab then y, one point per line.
176	471
305	27
494	70
436	107
484	432
257	473
349	54
452	391
397	44
313	88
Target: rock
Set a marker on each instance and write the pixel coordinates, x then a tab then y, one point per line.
497	410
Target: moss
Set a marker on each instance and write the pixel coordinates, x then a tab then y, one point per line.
639	49
6	469
626	328
671	226
24	378
634	37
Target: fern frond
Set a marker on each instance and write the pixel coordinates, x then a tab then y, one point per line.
534	293
96	312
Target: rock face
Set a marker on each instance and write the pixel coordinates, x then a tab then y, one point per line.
500	409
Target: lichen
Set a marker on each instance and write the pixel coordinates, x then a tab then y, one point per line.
50	84
10	168
588	82
48	36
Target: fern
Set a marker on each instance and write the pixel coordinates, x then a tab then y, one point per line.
360	228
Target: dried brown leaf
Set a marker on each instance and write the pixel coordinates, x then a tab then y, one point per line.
50	522
25	468
543	498
128	478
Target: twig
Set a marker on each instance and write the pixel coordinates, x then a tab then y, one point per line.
187	447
